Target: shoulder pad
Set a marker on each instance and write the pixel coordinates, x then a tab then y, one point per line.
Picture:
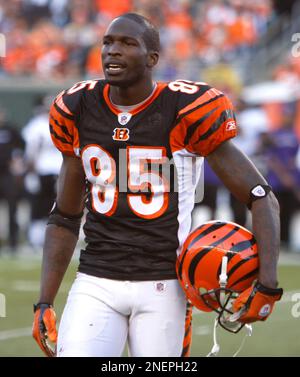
68	100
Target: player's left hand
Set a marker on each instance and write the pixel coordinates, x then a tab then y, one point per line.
44	328
255	303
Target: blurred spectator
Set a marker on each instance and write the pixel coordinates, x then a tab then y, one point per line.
11	175
252	122
35	10
50	51
79	35
113	8
211	187
280	148
288	72
57	37
207	40
298	160
43	163
59	12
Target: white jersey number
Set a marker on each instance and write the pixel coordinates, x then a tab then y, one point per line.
100	170
140	179
185	86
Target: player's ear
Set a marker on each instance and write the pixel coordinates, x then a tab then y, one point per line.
152	58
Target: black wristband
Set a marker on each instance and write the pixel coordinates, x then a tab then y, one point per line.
58	218
41	305
268	291
73	225
57	211
258	192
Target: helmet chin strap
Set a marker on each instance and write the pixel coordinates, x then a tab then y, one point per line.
216	347
223	282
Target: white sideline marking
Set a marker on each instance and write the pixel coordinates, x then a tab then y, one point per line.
200	330
16	333
26	286
32	286
203	330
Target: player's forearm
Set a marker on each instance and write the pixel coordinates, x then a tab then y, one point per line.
266	228
58	250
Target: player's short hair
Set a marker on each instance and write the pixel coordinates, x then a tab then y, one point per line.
150	34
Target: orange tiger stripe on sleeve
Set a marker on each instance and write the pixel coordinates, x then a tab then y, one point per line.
63	131
204	98
64	123
204	125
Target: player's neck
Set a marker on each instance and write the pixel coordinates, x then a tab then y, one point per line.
131	95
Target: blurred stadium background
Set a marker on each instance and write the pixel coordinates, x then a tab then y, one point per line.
249	49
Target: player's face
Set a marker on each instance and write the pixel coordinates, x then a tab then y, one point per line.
124	54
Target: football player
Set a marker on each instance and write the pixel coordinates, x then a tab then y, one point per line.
116	136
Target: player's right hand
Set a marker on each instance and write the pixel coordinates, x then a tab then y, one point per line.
44	327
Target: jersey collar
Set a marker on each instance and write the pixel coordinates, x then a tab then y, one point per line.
160	86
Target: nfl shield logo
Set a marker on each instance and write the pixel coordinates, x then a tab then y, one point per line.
124	118
160	287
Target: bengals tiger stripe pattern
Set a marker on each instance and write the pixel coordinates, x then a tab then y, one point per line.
199	265
187	341
180	119
124	240
63	130
202	125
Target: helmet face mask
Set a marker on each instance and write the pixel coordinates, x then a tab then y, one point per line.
218	261
224	309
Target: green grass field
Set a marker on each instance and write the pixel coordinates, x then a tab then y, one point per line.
19	282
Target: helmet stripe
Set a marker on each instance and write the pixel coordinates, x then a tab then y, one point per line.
224	238
240	263
210	229
245	277
195	261
243	245
239	247
199	256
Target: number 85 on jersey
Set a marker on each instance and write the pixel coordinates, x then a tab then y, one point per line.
100	170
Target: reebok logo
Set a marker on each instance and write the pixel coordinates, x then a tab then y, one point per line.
231	125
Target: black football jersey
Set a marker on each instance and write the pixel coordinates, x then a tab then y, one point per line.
141	170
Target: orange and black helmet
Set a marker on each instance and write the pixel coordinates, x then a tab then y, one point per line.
218	261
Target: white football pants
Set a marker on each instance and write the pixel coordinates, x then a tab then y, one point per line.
102	314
